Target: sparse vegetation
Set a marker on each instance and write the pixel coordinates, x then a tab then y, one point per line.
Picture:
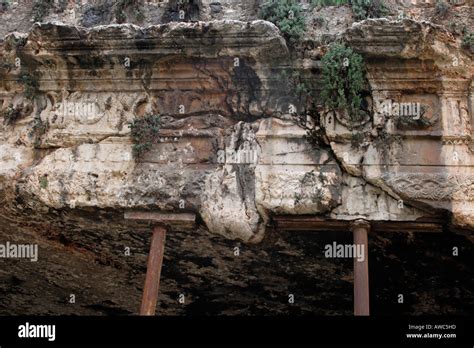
11	114
385	141
144	132
120	8
343	79
343	88
139	16
359	140
30	84
122	5
182	10
453	27
320	21
468	41
310	188
442	8
286	15
329	2
39	129
409	122
43	181
4	5
7	66
306	116
362	9
21	42
41	9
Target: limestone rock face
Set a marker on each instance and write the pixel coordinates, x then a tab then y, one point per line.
227	149
293	178
424	163
201	78
219	155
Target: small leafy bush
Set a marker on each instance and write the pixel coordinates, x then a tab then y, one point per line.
306	115
343	79
442	8
286	15
144	132
39	129
41	9
468	41
43	181
364	9
30	84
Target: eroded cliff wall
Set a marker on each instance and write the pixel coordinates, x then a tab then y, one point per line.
229	149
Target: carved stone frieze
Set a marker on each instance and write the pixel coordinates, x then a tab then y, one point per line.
434	187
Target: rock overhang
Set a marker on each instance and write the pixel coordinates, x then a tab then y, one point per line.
224	75
218	73
431	164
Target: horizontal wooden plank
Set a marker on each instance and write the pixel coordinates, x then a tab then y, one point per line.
406	226
313	225
181	220
318	224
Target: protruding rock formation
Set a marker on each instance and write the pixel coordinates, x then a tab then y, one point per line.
226	151
229	149
421	84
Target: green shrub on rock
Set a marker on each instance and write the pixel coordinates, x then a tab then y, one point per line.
30	84
41	9
468	41
364	9
442	8
286	15
343	79
144	132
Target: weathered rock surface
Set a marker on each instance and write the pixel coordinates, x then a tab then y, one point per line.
202	95
430	164
229	154
223	143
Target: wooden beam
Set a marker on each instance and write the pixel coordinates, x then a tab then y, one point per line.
161	221
308	223
360	229
153	272
407	226
176	220
318	223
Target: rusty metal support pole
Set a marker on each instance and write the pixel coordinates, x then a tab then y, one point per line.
153	273
360	229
